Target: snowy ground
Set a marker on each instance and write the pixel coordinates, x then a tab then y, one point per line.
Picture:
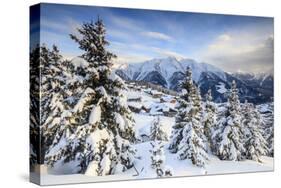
180	168
144	171
62	173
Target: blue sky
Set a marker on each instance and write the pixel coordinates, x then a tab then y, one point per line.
135	35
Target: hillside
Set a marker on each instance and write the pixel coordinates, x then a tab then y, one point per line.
169	73
147	104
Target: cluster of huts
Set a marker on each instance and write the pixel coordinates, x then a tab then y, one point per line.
165	106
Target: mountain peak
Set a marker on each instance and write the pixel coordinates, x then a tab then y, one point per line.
169	72
174	58
167	68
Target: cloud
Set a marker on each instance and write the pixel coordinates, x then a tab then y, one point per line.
130	58
165	52
231	44
128	53
142	52
241	52
51	37
45	23
125	23
119	34
66	25
224	37
157	35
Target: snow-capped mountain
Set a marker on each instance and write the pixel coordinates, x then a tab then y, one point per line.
169	72
262	80
166	71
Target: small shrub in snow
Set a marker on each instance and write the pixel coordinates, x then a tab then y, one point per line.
157	131
168	171
158	159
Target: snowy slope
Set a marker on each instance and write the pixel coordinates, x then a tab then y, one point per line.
62	173
180	168
263	82
221	88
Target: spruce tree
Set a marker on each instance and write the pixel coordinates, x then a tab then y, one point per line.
52	93
188	140
35	133
103	134
255	144
270	140
183	103
93	43
158	160
229	136
157	131
210	120
46	79
268	127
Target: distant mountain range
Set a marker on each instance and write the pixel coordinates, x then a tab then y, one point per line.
169	72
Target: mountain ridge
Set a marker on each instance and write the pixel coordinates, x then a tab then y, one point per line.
169	72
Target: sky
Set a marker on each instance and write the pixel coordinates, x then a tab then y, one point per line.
232	43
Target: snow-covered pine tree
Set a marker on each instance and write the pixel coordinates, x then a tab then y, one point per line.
229	136
94	44
70	137
52	93
35	133
45	62
210	119
268	127
50	82
101	143
188	139
158	158
270	140
187	85
255	144
183	103
157	131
